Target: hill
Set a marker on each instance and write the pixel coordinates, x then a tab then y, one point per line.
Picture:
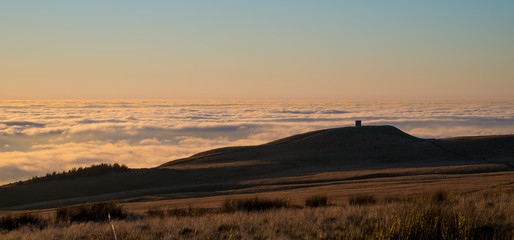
357	148
318	159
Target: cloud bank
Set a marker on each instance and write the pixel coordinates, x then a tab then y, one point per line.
37	137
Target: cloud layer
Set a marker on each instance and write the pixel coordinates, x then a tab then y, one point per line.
37	137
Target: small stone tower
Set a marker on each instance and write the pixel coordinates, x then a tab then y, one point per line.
358	123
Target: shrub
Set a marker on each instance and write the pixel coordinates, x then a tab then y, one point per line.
439	197
254	204
316	201
402	199
226	227
186	231
180	212
362	200
90	212
156	213
190	212
10	222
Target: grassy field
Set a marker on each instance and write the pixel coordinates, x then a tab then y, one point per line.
345	183
436	215
340	162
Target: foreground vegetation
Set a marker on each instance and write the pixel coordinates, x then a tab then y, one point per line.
439	215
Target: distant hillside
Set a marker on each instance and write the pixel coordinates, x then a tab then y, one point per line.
366	147
322	140
338	150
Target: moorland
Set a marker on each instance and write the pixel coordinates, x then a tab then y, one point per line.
371	182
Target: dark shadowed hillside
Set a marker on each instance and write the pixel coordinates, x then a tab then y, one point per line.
357	148
342	154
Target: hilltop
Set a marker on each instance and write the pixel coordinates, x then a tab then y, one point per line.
325	160
356	148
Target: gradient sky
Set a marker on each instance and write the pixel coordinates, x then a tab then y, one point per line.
98	49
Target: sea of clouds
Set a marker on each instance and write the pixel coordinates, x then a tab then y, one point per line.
37	137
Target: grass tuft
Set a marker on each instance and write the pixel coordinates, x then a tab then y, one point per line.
316	201
180	212
226	227
362	200
186	231
10	222
190	212
156	213
440	197
254	204
90	212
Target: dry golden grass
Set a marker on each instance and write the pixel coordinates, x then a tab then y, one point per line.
439	215
339	186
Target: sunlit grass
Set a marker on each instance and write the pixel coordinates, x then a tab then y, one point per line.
437	215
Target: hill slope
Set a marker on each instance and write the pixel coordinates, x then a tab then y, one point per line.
228	169
360	148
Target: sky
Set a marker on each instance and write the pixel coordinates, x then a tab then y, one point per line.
105	49
38	137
